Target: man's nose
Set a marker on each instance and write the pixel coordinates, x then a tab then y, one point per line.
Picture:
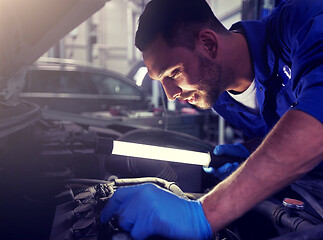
171	89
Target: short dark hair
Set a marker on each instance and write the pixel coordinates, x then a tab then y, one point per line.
178	21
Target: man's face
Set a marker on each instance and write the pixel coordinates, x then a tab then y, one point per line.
184	74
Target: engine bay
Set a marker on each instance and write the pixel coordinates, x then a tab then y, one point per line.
47	167
54	185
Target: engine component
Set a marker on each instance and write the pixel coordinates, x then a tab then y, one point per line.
79	218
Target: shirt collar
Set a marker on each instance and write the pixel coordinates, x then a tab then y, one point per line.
260	53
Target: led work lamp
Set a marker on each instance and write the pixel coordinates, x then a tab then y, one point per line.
109	146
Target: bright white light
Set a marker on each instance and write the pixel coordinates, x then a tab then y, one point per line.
161	153
140	75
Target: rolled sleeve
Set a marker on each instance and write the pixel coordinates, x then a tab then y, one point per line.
311	102
307	65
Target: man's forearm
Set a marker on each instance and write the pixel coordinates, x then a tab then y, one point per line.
292	148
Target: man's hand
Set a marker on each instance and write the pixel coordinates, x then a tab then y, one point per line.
234	150
147	210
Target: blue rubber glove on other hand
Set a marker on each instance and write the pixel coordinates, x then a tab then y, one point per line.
148	210
235	150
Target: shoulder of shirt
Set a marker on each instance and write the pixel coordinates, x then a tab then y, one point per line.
298	8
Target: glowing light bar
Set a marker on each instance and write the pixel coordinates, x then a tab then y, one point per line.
140	75
160	153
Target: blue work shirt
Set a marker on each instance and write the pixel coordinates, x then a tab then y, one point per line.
286	50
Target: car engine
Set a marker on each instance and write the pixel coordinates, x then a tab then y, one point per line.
54	185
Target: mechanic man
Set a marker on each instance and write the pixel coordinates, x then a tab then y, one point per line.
265	77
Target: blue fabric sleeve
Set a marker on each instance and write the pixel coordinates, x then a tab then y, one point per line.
301	29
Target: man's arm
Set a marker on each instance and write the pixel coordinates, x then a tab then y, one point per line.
291	149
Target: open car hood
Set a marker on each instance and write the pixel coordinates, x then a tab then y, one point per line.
29	28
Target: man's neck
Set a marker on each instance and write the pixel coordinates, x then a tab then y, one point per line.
242	65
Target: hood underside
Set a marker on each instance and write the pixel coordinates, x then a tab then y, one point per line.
29	28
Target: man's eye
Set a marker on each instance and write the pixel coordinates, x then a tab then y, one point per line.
175	73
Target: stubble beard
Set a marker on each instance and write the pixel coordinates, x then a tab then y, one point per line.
210	84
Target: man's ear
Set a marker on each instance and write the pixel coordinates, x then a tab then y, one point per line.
208	43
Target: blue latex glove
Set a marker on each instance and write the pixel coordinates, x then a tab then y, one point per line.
148	210
236	150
